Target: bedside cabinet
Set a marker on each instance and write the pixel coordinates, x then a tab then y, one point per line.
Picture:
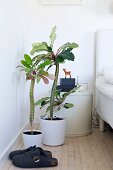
79	117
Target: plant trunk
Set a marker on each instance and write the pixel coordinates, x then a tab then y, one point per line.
32	105
53	90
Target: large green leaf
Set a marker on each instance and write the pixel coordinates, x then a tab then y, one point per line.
42	72
68	45
45	63
25	63
42	99
40	43
39	57
71	45
36	44
45	43
52	36
59	59
39	48
43	103
66	55
48	47
28	59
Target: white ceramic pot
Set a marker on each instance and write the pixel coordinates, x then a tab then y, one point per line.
53	131
31	140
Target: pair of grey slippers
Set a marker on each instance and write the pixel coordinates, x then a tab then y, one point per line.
33	157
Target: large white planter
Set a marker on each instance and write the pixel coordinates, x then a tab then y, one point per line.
31	140
53	131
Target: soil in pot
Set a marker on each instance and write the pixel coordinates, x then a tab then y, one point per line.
32	133
54	118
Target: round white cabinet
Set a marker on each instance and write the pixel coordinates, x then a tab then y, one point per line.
79	117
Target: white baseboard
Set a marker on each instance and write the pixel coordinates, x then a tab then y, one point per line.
5	163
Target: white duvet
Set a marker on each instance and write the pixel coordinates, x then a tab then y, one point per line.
107	72
105	87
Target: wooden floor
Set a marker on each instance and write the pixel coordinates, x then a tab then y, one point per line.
92	152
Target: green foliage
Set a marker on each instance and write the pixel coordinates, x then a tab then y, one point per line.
59	59
52	58
24	63
39	57
28	59
43	103
42	99
45	63
59	99
52	36
57	93
66	55
27	70
38	47
68	45
41	47
36	68
68	105
42	72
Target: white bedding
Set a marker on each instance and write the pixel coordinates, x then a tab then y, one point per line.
104	90
105	87
107	72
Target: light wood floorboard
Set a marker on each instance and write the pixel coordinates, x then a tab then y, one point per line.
92	152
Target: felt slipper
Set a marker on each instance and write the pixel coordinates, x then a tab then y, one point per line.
45	152
20	152
34	159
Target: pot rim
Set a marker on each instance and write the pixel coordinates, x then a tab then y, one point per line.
62	119
33	131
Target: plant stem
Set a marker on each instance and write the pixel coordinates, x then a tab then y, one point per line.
53	90
32	104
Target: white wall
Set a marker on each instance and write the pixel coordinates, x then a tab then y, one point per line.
74	23
12	113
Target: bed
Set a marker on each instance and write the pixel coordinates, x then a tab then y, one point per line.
104	69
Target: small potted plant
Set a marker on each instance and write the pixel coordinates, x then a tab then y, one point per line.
34	70
54	128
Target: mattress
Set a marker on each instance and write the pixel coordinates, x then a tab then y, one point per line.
105	87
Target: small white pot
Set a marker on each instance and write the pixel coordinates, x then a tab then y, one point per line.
53	131
31	140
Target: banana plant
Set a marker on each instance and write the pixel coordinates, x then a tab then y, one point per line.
34	73
63	53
